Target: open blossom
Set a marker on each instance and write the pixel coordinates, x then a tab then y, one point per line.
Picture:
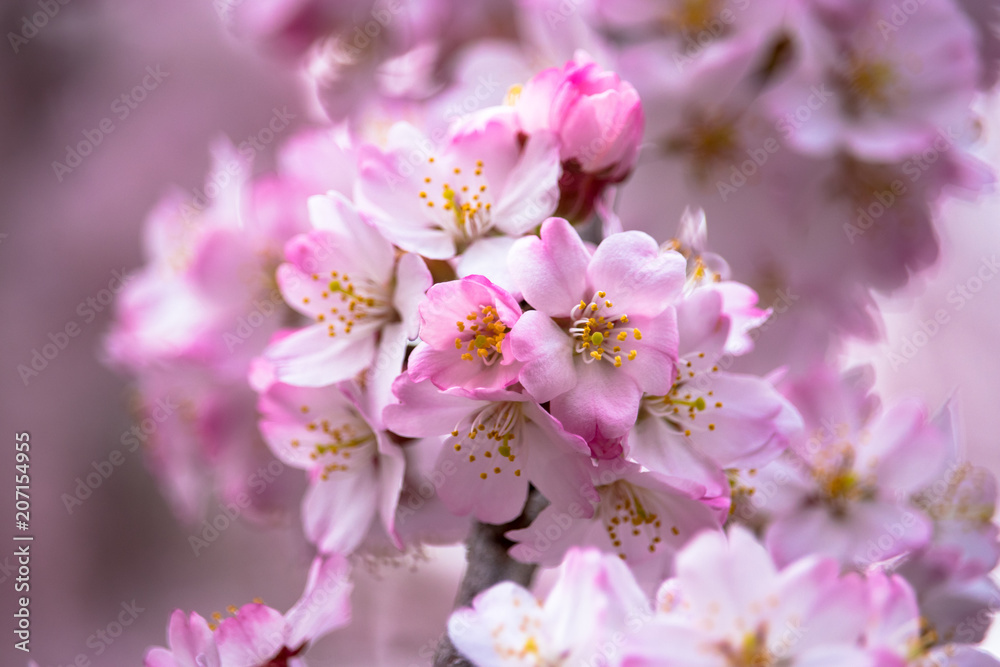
257	635
707	271
643	517
847	483
361	298
730	606
582	622
951	575
604	330
711	419
355	470
463	336
898	636
497	442
480	183
877	85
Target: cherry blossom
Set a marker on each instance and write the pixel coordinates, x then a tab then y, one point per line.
256	635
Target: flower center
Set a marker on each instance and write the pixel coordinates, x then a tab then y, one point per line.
692	15
834	471
685	402
868	84
594	330
499	424
463	202
627	519
708	141
357	301
344	441
481	335
752	651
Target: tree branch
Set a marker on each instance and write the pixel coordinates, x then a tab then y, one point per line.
488	564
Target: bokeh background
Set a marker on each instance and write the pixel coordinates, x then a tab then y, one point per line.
63	240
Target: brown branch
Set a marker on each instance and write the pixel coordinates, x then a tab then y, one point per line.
489	564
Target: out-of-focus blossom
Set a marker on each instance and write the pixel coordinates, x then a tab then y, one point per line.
880	87
191	321
897	635
847	480
730	605
583	620
256	634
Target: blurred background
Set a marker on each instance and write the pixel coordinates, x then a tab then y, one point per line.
66	236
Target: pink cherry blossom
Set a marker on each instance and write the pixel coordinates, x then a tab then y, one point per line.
257	635
596	116
712	419
463	333
881	87
643	517
584	619
729	605
897	635
361	298
355	470
497	443
599	122
604	329
849	477
480	182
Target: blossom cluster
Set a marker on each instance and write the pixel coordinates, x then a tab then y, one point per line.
482	279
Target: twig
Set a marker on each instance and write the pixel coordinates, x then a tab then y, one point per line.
489	564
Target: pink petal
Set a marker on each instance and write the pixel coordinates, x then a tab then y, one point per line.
638	278
532	188
603	397
337	512
424	410
325	605
547	351
251	637
310	357
551	271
